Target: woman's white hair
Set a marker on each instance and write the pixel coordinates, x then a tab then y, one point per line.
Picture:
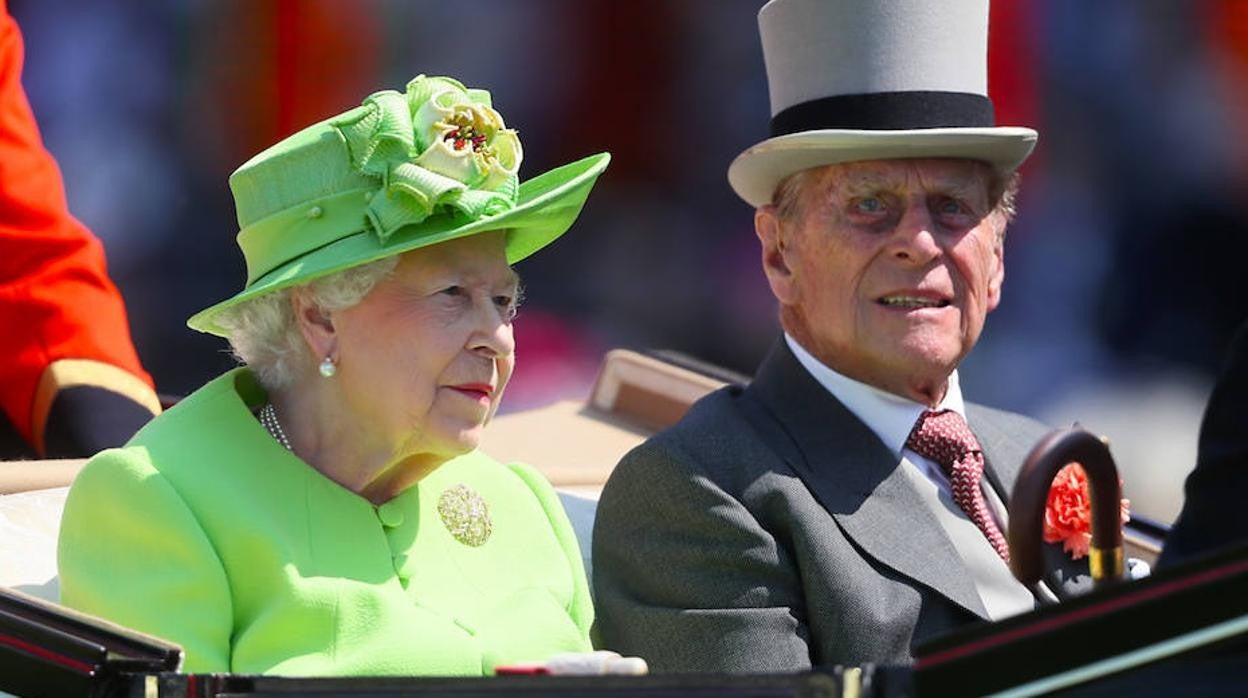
264	335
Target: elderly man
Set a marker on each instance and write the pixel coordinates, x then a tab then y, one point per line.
848	504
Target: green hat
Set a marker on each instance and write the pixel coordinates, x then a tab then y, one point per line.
401	171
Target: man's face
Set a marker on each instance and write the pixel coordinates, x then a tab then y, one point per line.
888	268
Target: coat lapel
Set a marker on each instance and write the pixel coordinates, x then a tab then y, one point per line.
1003	455
856	478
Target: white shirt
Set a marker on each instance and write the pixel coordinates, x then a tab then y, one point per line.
890	416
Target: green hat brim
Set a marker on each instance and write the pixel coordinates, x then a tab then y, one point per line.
546	206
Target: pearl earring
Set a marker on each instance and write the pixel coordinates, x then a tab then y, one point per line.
327	367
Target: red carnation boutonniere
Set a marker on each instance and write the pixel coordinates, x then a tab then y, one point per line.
1068	513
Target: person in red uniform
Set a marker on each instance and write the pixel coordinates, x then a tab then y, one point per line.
70	380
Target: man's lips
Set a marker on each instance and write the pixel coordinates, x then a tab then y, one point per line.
913	299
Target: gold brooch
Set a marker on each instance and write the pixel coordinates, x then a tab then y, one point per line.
465	515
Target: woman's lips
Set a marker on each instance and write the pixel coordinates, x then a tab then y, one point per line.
480	392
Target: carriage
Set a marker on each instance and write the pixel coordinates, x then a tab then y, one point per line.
1184	628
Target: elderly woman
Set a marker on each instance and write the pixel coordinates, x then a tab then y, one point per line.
323	510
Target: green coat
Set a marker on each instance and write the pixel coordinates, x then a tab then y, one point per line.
203	530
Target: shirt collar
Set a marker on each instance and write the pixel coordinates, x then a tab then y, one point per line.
890	416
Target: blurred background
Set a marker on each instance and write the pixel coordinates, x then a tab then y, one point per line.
1124	282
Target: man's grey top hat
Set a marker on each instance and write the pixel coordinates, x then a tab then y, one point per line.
874	80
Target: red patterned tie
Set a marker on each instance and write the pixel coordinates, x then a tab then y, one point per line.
945	438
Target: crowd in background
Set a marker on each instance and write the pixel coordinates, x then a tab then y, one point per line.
1123	286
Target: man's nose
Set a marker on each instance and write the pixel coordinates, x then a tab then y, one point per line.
914	238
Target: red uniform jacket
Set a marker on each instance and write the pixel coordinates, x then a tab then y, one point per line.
62	322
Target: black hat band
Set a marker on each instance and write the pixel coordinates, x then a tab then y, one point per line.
887	111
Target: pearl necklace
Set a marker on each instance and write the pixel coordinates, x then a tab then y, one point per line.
268	418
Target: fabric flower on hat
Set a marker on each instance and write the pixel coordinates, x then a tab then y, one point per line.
440	147
460	137
1068	512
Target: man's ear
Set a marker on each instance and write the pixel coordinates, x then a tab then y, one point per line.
997	279
315	324
775	254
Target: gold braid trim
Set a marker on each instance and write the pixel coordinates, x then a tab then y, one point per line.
69	373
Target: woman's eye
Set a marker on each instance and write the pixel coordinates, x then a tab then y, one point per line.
453	291
507	304
949	207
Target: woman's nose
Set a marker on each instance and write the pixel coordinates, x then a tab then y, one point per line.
494	335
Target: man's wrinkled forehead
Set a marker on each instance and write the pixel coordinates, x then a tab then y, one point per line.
944	175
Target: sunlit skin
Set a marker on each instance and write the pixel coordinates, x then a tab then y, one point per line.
888	269
422	363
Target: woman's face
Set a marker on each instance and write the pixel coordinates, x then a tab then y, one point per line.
424	357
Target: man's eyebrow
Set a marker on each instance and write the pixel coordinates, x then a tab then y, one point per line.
865	180
961	186
968	187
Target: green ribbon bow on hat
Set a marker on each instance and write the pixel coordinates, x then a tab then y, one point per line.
399	172
440	144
